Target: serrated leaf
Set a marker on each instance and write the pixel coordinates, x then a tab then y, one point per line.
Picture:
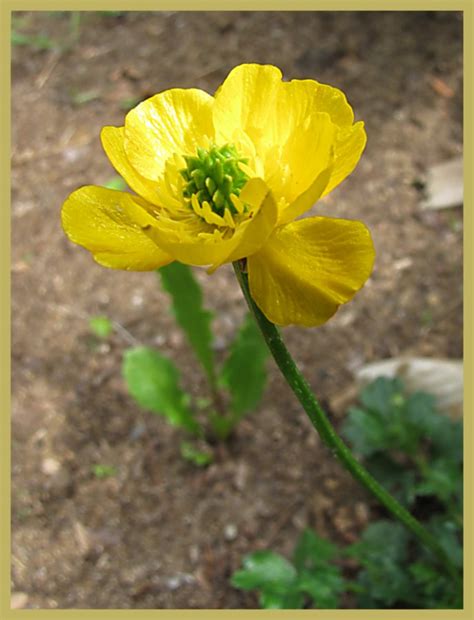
243	373
101	326
178	280
441	478
364	431
432	589
270	599
318	578
399	480
324	585
382	539
382	551
153	380
312	551
383	424
448	536
265	570
382	395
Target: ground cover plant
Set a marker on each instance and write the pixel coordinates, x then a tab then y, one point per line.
234	389
416	452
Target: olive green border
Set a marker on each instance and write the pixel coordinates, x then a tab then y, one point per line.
335	5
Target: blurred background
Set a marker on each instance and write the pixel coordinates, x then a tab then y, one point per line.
155	531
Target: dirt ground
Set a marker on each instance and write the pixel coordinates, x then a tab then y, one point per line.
161	533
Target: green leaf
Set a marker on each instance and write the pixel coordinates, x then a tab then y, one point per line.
265	570
103	471
244	371
186	294
384	423
399	480
364	431
434	590
382	552
441	478
324	585
382	395
86	96
270	599
199	457
449	537
153	380
101	326
39	42
318	578
312	551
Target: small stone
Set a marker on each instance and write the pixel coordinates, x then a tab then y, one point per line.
180	579
444	185
362	513
241	475
230	532
50	466
194	554
137	300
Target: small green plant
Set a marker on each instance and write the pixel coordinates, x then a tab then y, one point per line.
411	448
234	388
103	471
281	584
101	326
42	41
416	452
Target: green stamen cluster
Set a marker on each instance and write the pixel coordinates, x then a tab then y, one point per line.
213	176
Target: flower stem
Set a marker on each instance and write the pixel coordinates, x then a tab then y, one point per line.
327	432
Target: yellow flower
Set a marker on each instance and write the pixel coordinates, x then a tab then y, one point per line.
224	178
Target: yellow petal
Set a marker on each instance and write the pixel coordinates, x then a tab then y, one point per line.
194	242
307	96
296	127
306	200
109	224
308	268
301	99
292	168
113	143
348	147
174	121
244	102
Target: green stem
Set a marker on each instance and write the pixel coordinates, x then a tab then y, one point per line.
327	432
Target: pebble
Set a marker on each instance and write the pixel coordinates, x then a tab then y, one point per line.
194	553
178	580
50	466
230	532
362	513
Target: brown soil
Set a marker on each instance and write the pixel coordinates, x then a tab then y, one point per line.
162	533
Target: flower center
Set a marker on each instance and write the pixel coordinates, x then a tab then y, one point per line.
214	176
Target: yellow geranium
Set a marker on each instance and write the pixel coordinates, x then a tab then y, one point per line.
223	178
